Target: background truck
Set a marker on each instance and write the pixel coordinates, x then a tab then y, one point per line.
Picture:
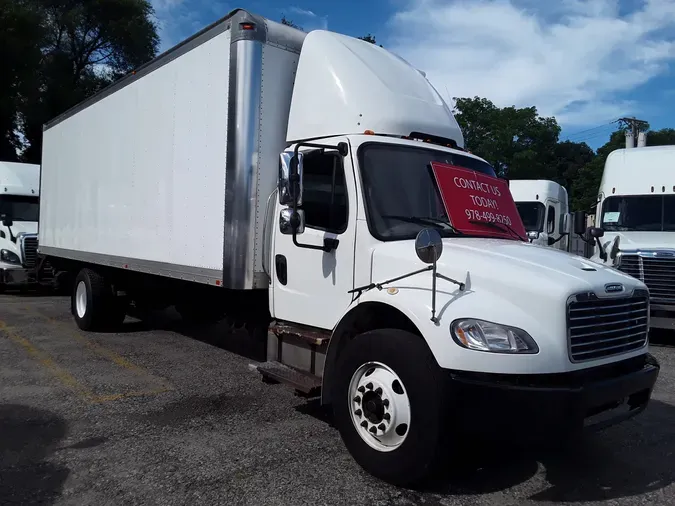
314	189
636	210
544	209
19	203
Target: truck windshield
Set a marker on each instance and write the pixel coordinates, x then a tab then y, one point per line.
645	213
19	208
532	214
400	190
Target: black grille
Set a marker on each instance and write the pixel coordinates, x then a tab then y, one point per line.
657	273
29	251
600	328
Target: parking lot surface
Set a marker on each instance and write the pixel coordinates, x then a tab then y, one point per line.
164	414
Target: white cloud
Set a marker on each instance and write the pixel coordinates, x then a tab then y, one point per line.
179	19
309	20
571	58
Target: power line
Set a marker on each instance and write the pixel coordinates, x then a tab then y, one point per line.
604	125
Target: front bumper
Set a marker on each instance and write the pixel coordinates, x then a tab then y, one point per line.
16	276
535	405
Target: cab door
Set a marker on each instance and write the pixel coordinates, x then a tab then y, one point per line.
311	286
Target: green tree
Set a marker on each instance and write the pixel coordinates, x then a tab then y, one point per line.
21	36
370	38
84	45
570	160
517	142
664	137
288	22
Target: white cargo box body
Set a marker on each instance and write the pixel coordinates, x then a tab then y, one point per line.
169	170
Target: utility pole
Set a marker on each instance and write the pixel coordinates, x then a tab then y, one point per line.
634	125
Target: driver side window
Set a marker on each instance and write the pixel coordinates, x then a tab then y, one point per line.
550	220
324	194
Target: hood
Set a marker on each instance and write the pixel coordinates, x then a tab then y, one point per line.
503	267
639	240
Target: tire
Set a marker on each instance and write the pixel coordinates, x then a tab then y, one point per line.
93	304
420	381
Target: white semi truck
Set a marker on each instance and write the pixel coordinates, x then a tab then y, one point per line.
543	206
636	211
301	185
19	203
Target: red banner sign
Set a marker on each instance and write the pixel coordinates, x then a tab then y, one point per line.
477	203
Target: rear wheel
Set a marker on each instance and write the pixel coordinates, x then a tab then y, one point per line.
388	402
93	303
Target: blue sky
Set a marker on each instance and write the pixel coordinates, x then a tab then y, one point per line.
586	62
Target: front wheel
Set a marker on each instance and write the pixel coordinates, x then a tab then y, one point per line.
388	402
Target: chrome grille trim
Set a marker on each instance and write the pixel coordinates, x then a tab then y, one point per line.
656	269
29	246
605	327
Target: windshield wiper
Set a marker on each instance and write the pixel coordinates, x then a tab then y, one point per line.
496	226
425	221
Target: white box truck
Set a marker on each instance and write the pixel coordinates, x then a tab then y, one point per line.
290	182
19	203
636	211
544	208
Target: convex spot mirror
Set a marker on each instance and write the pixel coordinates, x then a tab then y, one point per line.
428	245
7	222
533	235
291	221
290	178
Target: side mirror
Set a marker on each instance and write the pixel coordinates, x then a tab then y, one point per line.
565	227
580	218
428	245
533	235
290	179
7	222
291	221
595	232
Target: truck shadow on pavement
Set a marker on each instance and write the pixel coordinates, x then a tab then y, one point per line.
217	334
633	459
28	437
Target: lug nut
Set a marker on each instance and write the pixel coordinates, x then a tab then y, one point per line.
381	427
378	391
361	389
357	400
369	386
364	424
385	403
373	429
358	412
387	417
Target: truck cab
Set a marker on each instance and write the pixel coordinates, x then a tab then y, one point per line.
636	213
19	206
543	207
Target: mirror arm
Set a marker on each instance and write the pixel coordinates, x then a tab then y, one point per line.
380	285
329	244
603	253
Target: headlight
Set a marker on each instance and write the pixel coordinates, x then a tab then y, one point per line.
486	336
9	256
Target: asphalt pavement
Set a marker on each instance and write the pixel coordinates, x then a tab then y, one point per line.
166	414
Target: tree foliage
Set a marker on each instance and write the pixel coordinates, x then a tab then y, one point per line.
517	142
288	22
76	48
